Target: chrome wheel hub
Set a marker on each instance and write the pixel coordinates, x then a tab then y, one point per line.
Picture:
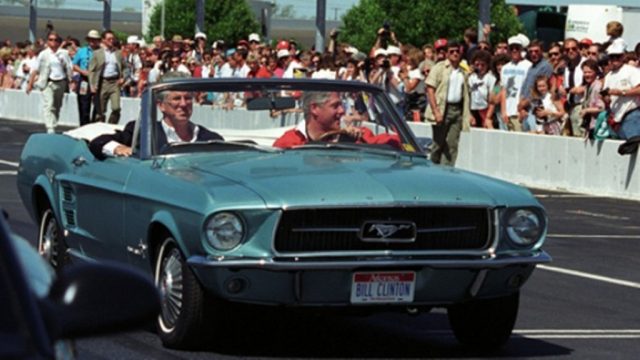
170	283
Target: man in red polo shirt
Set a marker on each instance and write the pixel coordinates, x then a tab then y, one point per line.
323	112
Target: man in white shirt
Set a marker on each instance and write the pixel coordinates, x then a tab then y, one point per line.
176	126
513	75
622	83
573	85
106	76
54	73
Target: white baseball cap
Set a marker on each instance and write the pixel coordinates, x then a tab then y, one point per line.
393	50
351	50
133	39
283	53
525	40
93	34
200	34
515	40
254	37
380	52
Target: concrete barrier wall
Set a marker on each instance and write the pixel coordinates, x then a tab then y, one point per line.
547	162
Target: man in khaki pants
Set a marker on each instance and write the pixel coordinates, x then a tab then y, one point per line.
448	111
53	73
106	77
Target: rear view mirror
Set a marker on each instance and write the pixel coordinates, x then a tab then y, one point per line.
271	103
92	299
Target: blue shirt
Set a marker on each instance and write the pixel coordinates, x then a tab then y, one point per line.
542	67
83	57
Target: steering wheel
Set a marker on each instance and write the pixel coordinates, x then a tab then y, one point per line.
340	136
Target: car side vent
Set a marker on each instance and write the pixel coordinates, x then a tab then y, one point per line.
68	204
67	192
70	217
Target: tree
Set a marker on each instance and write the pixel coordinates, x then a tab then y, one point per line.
420	22
228	20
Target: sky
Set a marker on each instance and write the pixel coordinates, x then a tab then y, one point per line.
302	8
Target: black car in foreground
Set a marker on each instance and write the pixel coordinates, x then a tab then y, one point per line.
41	311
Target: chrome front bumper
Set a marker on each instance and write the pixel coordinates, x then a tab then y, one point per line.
291	264
329	283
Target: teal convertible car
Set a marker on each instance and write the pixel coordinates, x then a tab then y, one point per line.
319	196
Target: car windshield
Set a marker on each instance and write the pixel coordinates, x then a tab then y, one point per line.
272	115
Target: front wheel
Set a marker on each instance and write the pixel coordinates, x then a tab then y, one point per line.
51	245
181	323
484	324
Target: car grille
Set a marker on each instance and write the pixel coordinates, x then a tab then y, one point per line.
436	229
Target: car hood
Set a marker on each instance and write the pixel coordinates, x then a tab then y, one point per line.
341	177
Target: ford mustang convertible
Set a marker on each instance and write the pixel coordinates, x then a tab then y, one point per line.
309	195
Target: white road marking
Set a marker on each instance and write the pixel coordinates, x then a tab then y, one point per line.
8	172
580	236
549	336
597	215
566	196
10	163
563	333
579	334
586	275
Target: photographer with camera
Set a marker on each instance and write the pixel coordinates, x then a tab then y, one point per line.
383	76
384	38
545	107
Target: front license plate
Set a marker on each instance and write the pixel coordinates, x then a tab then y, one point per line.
383	287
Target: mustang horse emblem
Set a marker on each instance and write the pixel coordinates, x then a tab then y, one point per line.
386	230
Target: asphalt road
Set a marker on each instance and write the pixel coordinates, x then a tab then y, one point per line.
584	305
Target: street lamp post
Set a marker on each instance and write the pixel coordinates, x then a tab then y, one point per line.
321	12
199	16
484	11
106	15
33	20
162	20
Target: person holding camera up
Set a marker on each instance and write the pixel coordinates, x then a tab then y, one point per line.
545	107
449	105
383	76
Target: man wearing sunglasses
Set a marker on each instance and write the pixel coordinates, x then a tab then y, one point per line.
54	72
573	84
622	83
513	76
106	76
449	107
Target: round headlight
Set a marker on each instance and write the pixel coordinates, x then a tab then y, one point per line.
224	231
524	227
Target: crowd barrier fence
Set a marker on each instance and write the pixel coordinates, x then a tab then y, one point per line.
539	161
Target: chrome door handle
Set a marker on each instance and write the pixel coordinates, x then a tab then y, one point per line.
79	161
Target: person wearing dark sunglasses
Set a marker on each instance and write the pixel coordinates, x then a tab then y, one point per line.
54	73
449	105
573	85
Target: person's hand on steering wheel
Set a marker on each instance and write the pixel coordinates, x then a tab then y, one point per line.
346	134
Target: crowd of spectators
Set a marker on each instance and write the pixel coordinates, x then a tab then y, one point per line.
576	87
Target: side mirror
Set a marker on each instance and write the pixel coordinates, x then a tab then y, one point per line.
91	299
425	144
